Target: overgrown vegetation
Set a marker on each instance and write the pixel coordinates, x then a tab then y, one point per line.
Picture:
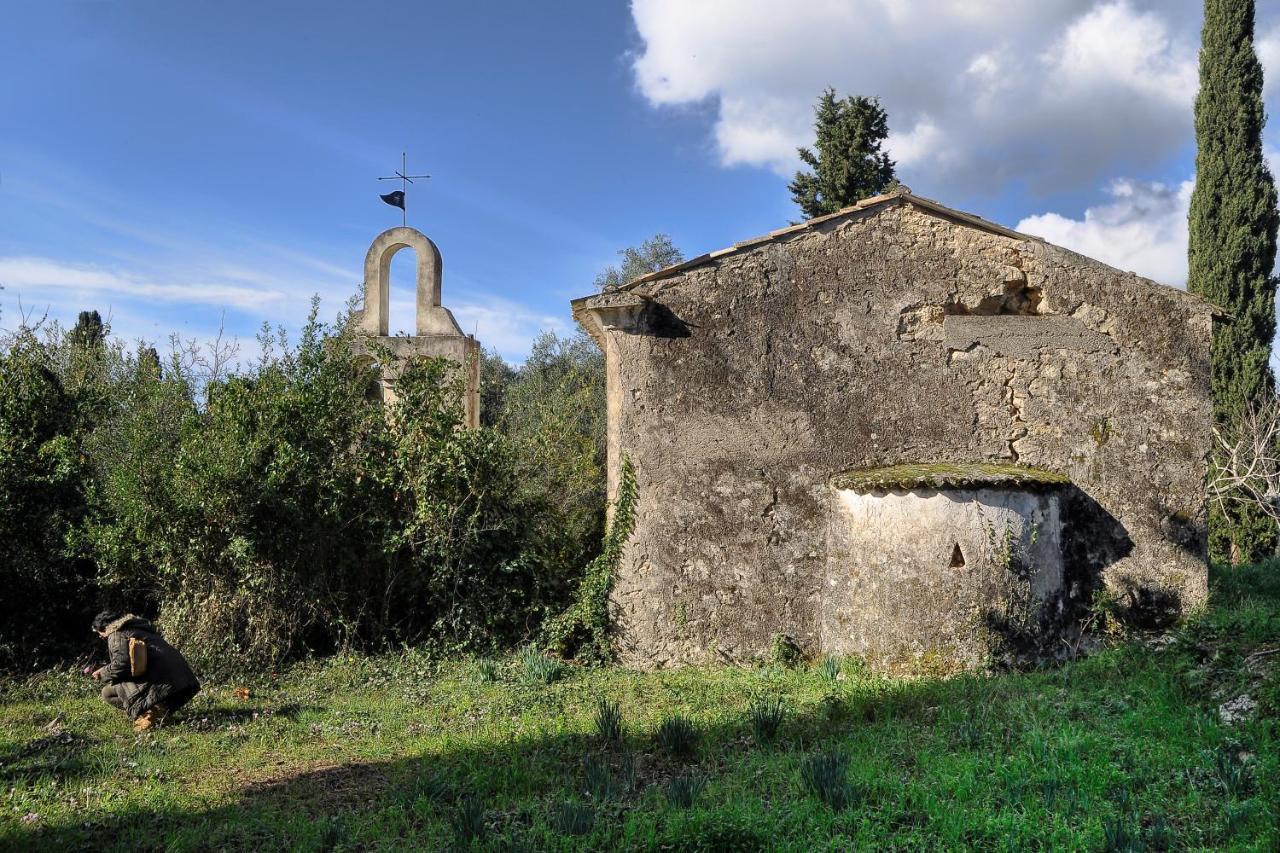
275	509
584	629
1128	748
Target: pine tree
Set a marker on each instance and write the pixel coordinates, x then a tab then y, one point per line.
849	164
1233	241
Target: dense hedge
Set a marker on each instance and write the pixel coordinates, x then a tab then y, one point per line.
280	509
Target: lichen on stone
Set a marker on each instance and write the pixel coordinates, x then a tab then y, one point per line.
948	475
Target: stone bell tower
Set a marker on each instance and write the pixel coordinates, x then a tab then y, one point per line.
437	333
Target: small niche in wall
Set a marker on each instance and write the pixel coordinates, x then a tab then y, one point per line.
957	557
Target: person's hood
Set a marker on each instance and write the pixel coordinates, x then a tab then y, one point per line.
129	621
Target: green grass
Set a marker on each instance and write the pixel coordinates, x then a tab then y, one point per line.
400	752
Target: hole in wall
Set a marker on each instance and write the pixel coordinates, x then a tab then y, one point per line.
957	557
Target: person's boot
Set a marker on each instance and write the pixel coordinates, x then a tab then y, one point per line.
150	718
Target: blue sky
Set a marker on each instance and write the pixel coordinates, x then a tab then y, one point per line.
181	165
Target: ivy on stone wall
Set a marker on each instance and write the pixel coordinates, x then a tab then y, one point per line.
583	630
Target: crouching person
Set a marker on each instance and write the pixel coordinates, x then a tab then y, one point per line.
145	676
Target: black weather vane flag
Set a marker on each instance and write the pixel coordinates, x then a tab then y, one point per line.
396	198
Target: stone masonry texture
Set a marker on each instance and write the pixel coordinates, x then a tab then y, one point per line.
899	332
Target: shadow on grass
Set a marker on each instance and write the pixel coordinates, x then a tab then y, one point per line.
62	754
415	802
304	807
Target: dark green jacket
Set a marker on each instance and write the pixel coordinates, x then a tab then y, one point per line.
168	679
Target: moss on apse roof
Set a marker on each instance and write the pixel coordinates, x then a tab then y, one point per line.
947	475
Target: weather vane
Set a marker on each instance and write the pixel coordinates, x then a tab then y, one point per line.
396	199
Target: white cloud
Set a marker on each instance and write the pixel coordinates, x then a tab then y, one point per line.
1143	227
1055	93
40	279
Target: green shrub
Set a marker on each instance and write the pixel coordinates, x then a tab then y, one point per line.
48	396
292	513
786	651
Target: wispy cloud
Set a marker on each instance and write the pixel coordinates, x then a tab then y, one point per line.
35	279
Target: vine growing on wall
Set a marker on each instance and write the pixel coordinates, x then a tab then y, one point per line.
583	630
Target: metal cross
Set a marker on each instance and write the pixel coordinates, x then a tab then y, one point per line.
405	179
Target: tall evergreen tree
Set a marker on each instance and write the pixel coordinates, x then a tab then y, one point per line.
1233	240
848	164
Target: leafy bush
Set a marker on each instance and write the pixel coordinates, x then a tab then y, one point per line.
290	512
263	510
552	411
786	651
47	405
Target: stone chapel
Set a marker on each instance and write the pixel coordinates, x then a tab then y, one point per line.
902	432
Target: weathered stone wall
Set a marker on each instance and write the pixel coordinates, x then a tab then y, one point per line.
926	575
894	334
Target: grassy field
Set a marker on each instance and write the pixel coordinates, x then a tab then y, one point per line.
1124	750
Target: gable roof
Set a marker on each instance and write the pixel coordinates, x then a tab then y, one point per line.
899	195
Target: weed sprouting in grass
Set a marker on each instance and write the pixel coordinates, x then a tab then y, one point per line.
969	732
572	818
1231	771
1120	836
677	736
683	791
826	776
333	833
786	651
829	669
468	818
608	719
1235	817
537	668
486	671
601	783
1160	834
766	714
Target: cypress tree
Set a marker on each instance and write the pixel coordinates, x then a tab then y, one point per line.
1233	241
849	164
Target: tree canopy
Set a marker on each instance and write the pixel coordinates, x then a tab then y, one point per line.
848	164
